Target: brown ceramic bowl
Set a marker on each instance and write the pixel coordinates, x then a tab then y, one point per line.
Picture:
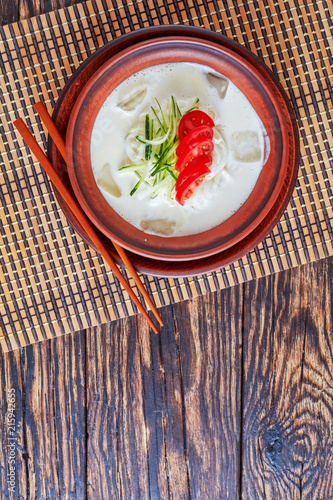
177	49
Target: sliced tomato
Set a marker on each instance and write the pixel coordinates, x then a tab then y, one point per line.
202	148
191	140
191	190
190	178
192	120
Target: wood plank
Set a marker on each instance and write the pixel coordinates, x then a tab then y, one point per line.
12	431
9	11
163	410
287	394
30	8
116	451
135	446
49	387
15	10
55	417
209	331
314	420
272	356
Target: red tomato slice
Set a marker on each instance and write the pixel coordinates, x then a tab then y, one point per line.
190	178
191	120
203	148
190	141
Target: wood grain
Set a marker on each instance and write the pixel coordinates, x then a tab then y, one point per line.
12	382
287	395
9	11
172	417
49	386
55	417
209	336
30	8
116	428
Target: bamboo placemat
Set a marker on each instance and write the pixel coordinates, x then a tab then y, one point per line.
52	283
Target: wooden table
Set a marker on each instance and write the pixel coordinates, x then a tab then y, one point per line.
232	400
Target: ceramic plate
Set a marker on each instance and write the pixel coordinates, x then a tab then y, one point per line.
222	258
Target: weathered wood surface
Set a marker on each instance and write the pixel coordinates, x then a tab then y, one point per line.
50	414
287	392
164	431
234	399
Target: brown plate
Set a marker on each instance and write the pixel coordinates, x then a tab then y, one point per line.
185	268
163	51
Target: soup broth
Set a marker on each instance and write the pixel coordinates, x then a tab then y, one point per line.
241	148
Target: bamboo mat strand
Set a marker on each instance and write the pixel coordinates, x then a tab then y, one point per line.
52	283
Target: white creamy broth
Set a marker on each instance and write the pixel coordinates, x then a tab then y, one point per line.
239	139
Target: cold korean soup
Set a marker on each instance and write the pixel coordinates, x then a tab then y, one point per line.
177	148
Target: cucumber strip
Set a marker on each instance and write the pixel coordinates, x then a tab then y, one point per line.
143	141
195	106
147	126
173	106
158	120
160	140
157	140
171	173
147	137
135	188
145	181
140	181
162	114
159	164
162	185
133	167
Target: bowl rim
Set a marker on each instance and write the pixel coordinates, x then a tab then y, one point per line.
186	251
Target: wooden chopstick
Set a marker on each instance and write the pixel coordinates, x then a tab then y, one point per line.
79	214
60	144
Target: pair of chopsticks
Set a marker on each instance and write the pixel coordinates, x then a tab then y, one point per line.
79	214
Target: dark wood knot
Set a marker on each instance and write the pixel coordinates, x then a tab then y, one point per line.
272	445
